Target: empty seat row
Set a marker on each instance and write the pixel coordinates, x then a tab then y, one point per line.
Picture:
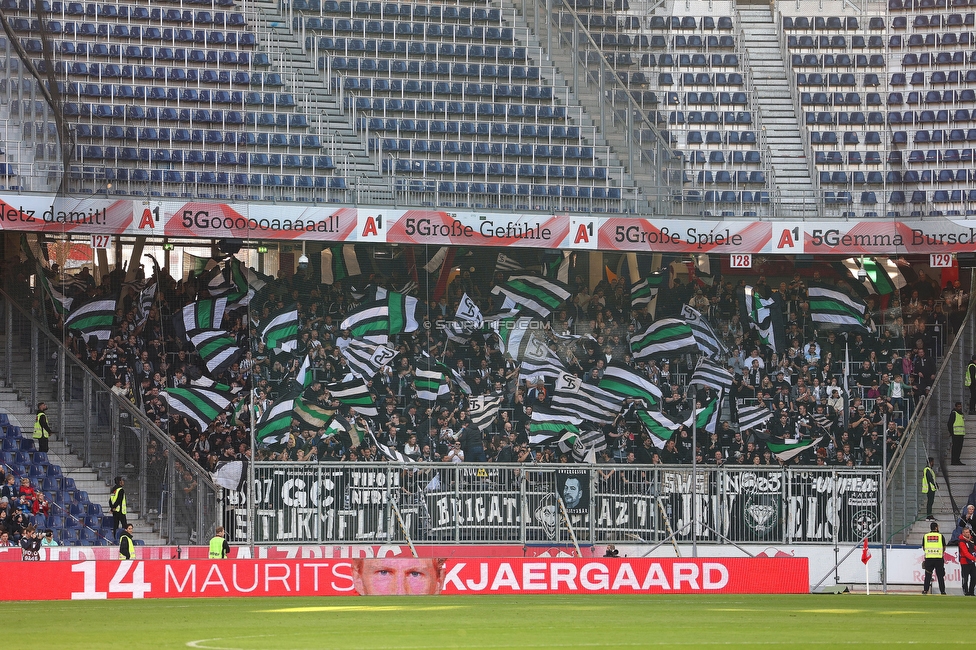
838	41
471	89
690	22
204	116
706	79
935	20
692	98
908	5
932	176
402	29
949	39
595	22
693	60
610	40
848	137
708	42
122	33
967	95
940	58
695	157
931	156
440	107
725	177
721	137
421	68
935	136
835	99
834	79
843	117
511	189
710	117
196	75
226	178
937	77
938	196
196	136
181	95
415	11
155	14
493	149
197	157
394	48
849	158
725	196
469	128
837	61
958	116
463	168
824	23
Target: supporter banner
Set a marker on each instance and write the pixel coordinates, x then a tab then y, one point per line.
304	504
91	580
469	228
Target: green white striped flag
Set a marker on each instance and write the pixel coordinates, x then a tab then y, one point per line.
548	425
882	274
280	330
430	384
61	303
369	322
706	418
200	315
339	263
402	312
311	415
534	294
765	315
216	348
356	394
95	318
202	405
304	376
518	336
666	338
659	426
789	448
624	381
833	309
274	427
642	293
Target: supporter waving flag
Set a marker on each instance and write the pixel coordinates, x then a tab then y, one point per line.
834	309
753	416
365	359
217	349
549	425
708	342
311	415
95	318
625	382
143	303
339	263
483	410
201	315
708	373
202	405
659	426
356	394
765	315
588	444
585	401
666	338
534	294
279	330
370	322
642	293
430	384
787	449
274	427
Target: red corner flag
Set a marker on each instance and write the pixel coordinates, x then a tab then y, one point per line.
865	553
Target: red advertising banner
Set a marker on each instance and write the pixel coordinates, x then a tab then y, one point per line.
376	224
99	580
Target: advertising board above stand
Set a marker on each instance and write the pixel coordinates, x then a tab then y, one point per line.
333	223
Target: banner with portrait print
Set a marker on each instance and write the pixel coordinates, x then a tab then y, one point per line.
573	486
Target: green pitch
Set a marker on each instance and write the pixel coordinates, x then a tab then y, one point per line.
499	622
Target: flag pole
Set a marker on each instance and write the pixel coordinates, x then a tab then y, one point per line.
694	472
867	579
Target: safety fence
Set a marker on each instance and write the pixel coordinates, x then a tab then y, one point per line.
559	504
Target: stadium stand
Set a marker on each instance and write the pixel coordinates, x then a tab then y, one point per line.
472	105
37	493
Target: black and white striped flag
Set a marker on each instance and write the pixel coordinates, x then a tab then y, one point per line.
751	417
709	344
708	373
585	401
505	263
666	338
483	410
588	445
365	359
144	303
356	394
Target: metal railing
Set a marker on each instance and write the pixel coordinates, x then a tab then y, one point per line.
106	430
464	503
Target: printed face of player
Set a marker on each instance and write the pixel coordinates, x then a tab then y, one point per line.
397	577
572	492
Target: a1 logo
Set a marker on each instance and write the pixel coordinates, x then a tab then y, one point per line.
371	227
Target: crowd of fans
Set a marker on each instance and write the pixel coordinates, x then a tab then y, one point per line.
854	392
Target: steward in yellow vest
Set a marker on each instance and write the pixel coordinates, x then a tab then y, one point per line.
219	548
933	545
